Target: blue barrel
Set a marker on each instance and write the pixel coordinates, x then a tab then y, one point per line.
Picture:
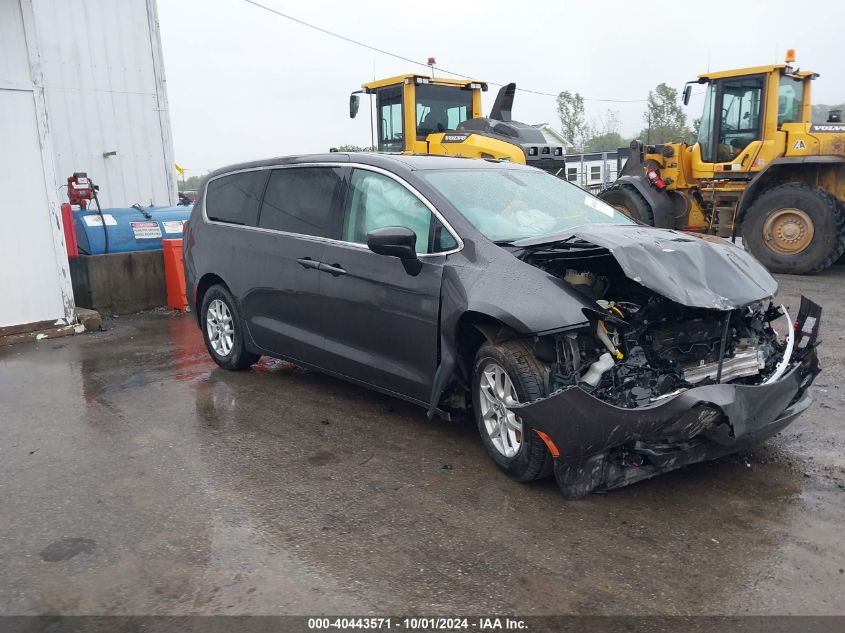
130	229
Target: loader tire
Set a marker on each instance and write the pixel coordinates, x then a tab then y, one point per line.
795	228
629	201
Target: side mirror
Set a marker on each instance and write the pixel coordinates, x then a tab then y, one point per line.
396	241
687	93
354	102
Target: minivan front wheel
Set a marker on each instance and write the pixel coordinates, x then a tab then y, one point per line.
505	374
222	330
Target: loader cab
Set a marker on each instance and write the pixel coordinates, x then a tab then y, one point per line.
743	109
731	119
731	126
409	108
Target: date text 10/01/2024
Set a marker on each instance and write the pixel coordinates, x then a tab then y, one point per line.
419	623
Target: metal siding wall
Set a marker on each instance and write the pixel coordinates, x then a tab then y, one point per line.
103	95
29	283
34	278
14	64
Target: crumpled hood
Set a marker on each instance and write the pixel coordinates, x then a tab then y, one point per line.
700	272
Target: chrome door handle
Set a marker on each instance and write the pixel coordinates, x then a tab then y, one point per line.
334	269
307	262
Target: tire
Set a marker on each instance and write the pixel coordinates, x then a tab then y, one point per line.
529	377
229	354
828	228
629	201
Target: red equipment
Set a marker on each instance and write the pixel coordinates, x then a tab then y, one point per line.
70	230
80	189
654	178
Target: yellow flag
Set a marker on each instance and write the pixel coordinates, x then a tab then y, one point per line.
179	169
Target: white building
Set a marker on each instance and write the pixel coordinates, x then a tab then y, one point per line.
594	170
82	88
553	136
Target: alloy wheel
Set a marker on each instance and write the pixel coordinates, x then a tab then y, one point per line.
220	327
502	425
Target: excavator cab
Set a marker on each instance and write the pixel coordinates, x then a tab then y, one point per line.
410	107
428	115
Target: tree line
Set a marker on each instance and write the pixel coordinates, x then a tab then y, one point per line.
191	183
664	120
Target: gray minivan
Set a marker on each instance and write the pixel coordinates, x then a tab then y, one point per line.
585	344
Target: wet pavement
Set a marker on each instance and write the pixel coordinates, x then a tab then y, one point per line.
138	478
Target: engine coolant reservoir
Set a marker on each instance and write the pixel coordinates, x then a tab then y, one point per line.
595	285
597	369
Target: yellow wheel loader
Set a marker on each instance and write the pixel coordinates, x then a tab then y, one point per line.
428	115
760	169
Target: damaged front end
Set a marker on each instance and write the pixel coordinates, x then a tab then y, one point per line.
660	379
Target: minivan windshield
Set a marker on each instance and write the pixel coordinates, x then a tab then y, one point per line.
514	204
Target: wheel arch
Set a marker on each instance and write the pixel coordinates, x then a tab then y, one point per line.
206	281
827	172
661	204
471	332
476	328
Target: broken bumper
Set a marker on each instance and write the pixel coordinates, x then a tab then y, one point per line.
696	425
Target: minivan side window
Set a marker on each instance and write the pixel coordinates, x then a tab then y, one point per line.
299	200
443	239
235	198
375	201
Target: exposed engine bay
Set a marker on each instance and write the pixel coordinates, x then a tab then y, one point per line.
642	347
680	356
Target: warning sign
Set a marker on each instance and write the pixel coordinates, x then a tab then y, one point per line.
146	230
173	226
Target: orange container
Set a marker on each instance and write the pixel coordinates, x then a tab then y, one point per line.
174	274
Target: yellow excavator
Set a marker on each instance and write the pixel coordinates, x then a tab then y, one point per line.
760	169
431	115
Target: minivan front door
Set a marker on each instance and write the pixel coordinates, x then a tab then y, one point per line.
381	323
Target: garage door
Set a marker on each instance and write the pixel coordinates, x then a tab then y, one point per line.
34	278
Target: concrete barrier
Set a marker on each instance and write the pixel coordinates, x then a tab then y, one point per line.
119	283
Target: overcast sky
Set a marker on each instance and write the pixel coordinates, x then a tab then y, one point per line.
244	83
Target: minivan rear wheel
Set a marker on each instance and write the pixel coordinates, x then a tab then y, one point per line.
222	330
503	374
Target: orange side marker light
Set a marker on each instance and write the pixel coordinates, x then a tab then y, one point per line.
552	448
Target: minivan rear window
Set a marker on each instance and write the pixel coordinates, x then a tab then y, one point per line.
299	200
235	198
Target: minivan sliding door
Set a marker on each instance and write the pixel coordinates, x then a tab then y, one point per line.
283	307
